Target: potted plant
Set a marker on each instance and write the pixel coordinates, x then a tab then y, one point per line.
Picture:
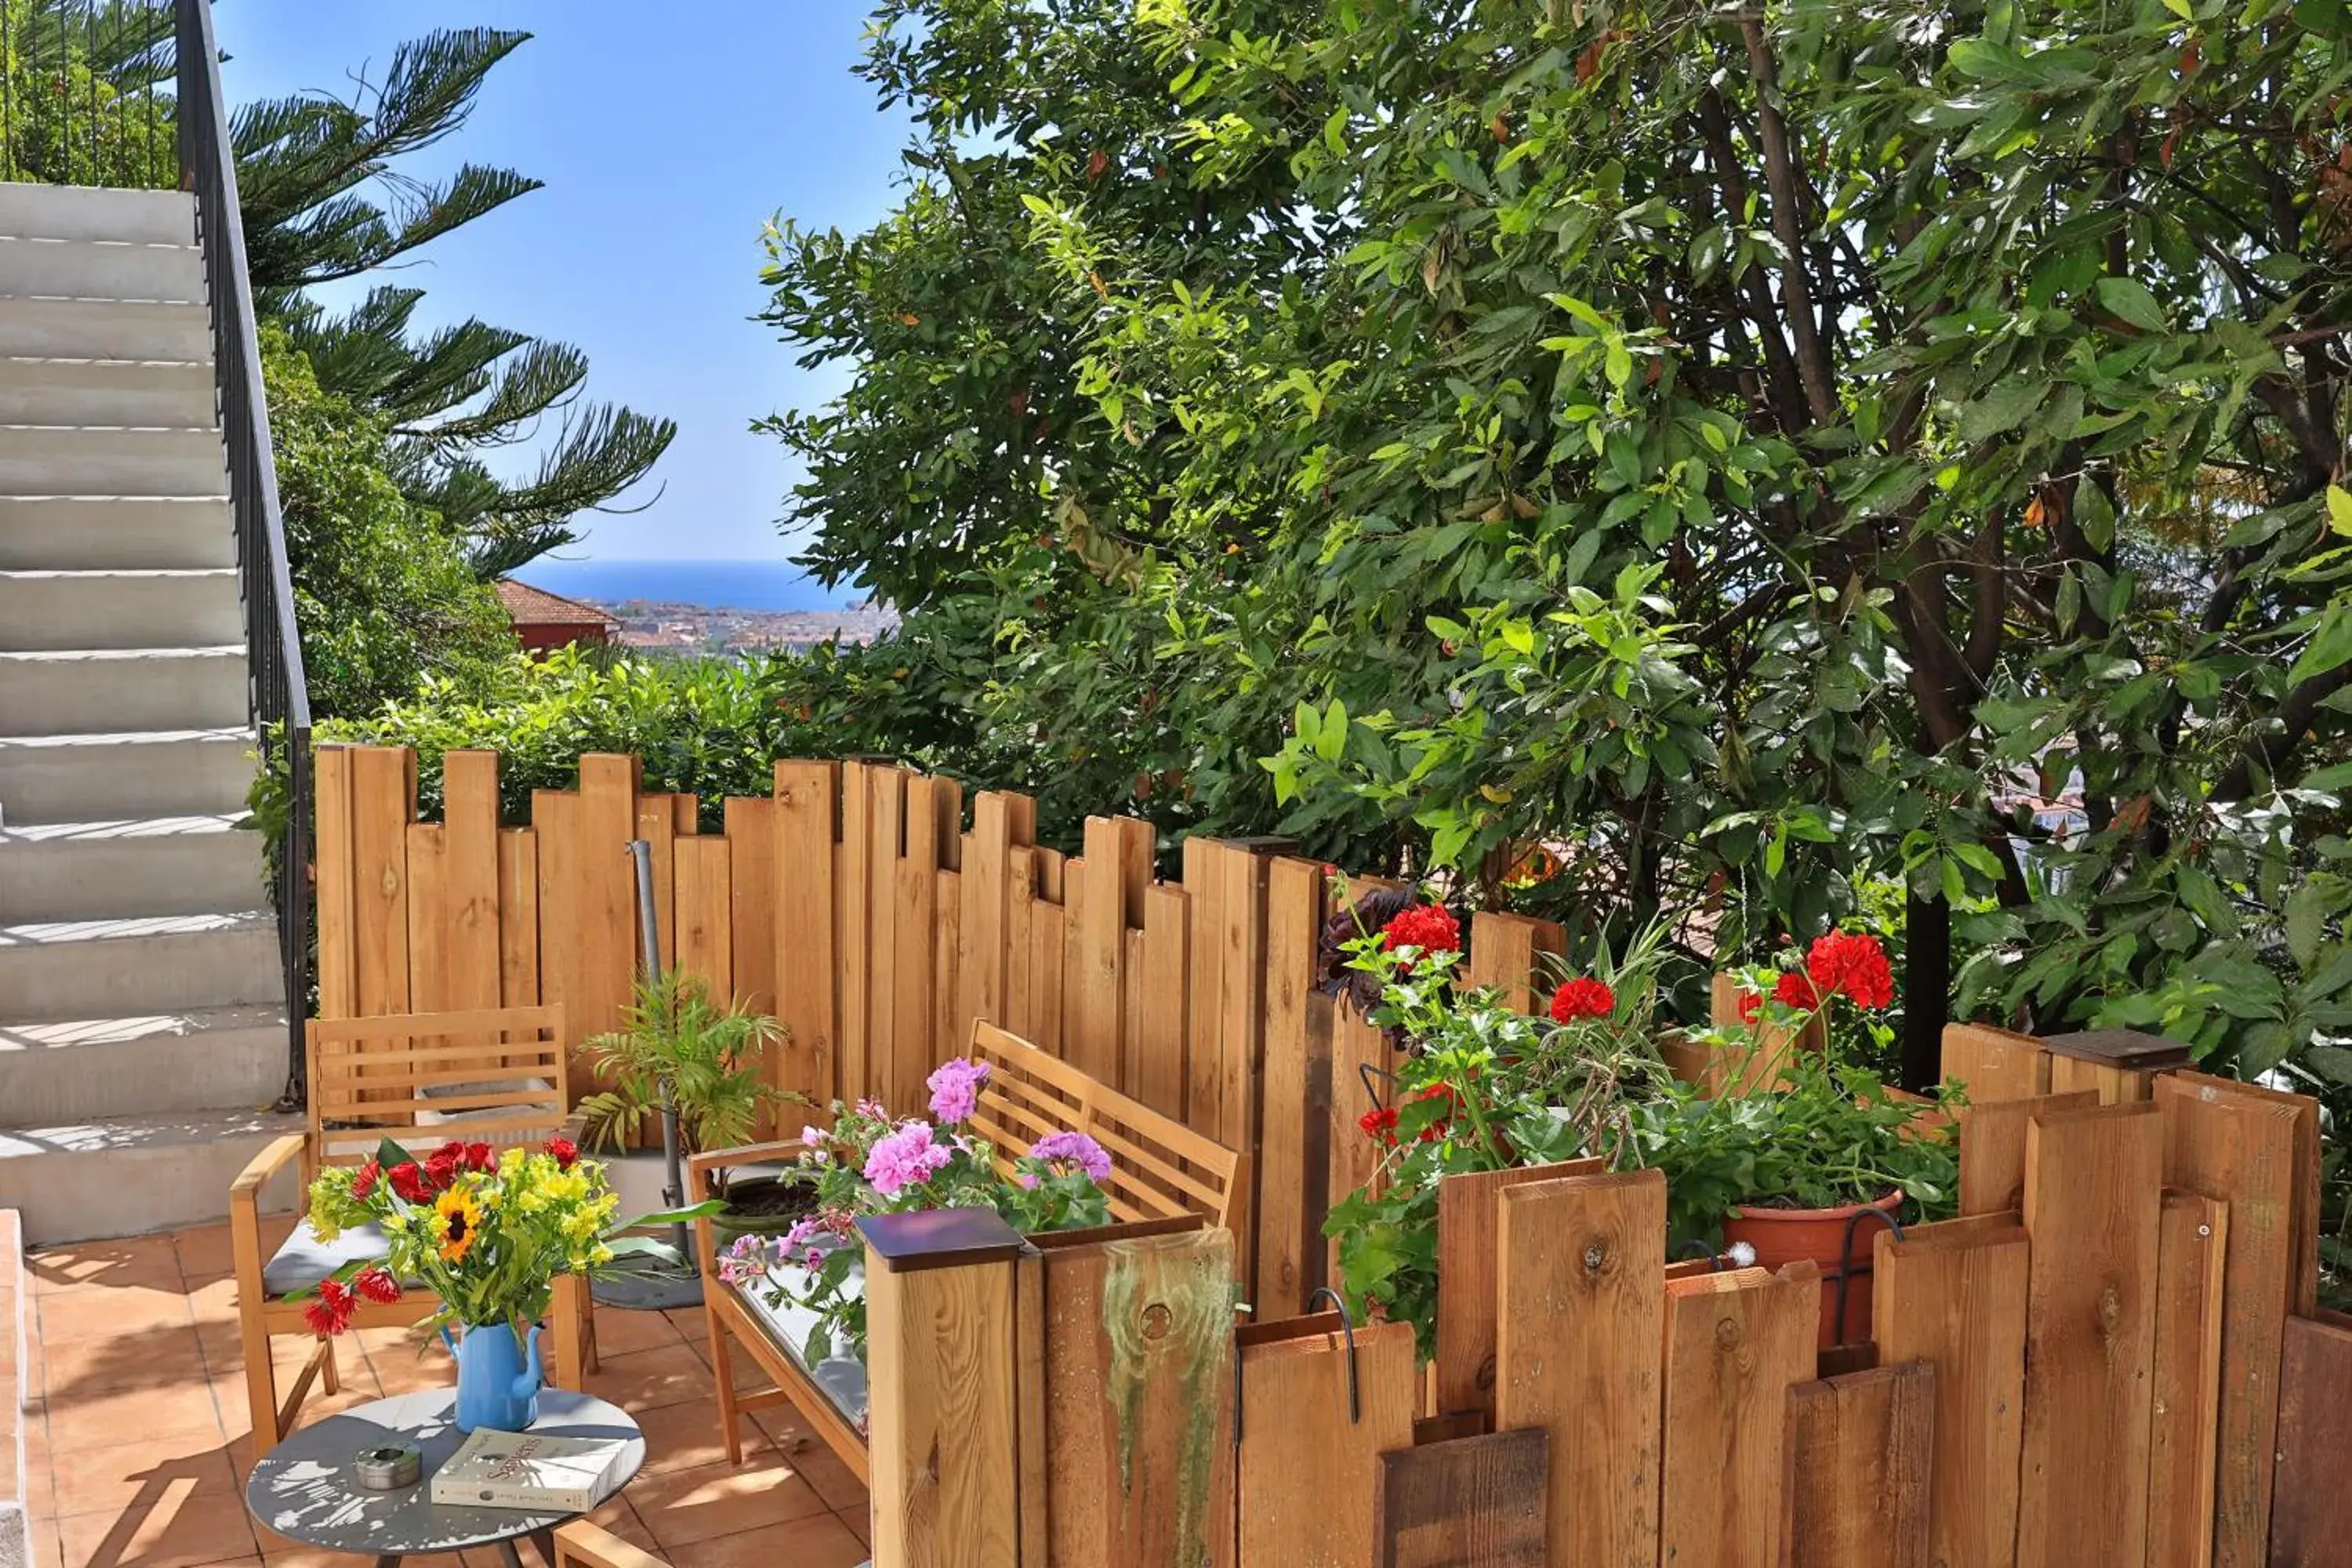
871	1164
1480	1087
677	1039
1779	1172
487	1231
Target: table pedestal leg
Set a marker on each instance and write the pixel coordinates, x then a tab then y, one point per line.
509	1555
545	1541
387	1562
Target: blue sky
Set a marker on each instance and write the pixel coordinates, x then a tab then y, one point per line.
665	149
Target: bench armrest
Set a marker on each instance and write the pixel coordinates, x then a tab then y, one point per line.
745	1155
247	1189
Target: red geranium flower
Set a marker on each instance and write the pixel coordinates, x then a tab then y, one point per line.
1794	990
482	1157
378	1286
565	1151
1583	997
1428	927
364	1182
330	1311
1854	963
1750	1003
1437	1128
1380	1125
410	1183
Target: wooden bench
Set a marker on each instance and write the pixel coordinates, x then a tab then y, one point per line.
1160	1169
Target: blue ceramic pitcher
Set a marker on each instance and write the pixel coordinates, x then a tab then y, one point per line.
498	1377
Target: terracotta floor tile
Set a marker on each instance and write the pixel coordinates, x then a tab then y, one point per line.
817	1463
820	1541
623	1333
212	1300
101	1311
646	1380
109	1419
859	1524
688	1506
200	1530
689	1321
142	1472
48	1544
278	1552
685	1436
149	1260
152	1358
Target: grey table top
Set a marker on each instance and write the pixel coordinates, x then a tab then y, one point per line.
304	1488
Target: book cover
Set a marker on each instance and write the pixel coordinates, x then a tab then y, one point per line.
526	1470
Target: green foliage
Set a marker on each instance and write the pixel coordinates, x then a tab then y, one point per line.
382	594
675	1042
83	94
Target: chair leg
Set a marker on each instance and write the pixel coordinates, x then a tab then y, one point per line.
589	1360
260	1381
330	1372
722	1371
566	1311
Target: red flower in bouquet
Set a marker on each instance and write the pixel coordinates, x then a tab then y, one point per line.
1855	962
330	1311
377	1285
564	1151
364	1182
1583	997
1379	1123
410	1183
1795	990
1428	927
482	1157
442	1164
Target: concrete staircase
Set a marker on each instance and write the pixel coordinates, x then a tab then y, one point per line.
142	1013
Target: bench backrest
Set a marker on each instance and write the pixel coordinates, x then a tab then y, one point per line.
496	1076
1159	1168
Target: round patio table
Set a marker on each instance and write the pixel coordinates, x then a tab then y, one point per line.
305	1490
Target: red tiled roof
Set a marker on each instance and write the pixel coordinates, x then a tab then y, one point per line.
529	606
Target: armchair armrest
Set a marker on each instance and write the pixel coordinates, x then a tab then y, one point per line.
247	1189
581	1545
745	1155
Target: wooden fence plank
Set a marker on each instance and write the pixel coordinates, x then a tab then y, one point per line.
1995	1064
1468	1217
704	899
981	969
1959	1306
944	1482
1163	1022
885	828
1992	1148
1286	1210
472	916
657	825
1580	1313
911	956
2242	1150
807	824
1309	1476
1735	1344
1355	1044
2092	1201
332	830
1048	939
2312	1522
950	1027
1508	953
1242	999
1020	941
427	864
2304	1211
384	803
1205	888
853	889
751	899
2185	1381
1858	1469
519	920
1469	1502
1138	1364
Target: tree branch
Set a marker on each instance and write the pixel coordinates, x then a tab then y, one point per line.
1788	210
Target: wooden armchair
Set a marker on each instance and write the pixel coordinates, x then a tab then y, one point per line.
1159	1170
496	1076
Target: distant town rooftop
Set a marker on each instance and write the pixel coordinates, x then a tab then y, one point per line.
529	606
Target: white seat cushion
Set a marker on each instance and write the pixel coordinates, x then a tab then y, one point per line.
840	1377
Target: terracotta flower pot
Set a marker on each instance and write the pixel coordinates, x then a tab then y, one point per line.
1784	1236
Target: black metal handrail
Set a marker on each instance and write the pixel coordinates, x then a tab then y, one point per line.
281	701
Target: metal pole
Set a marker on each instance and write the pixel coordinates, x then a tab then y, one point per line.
649	945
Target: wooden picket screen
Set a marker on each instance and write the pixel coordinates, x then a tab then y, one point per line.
876	912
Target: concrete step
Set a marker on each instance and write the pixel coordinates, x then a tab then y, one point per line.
105	328
91	533
85	777
177	393
69	691
84	212
90	1069
102	270
111	459
158	866
52	611
103	969
130	1175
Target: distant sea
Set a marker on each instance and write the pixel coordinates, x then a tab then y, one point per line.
714	584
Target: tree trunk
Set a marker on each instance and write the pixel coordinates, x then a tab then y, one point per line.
1927	989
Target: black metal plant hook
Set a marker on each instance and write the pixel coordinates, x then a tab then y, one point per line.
1715	1260
1885	1216
1347	1333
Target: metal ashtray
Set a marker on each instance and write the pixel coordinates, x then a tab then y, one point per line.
388	1468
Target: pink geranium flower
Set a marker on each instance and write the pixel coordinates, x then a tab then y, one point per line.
955	1090
906	1158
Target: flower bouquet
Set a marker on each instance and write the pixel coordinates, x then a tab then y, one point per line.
871	1163
485	1233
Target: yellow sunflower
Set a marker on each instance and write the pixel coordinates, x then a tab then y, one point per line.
461	1217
